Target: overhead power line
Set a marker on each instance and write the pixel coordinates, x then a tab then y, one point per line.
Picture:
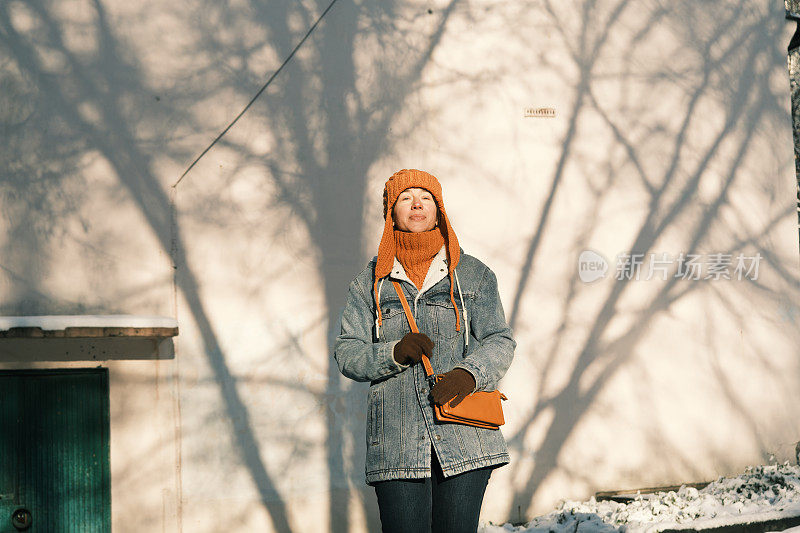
261	90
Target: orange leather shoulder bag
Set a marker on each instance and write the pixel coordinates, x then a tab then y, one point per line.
480	409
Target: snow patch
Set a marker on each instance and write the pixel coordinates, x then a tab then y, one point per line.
761	493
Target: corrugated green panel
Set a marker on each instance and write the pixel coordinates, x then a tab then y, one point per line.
54	456
8	451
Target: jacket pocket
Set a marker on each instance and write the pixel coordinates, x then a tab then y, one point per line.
375	416
395	324
445	317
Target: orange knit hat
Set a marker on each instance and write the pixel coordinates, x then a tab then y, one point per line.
397	183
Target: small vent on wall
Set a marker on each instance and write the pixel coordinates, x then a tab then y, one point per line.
540	112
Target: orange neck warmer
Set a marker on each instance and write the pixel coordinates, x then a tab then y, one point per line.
415	251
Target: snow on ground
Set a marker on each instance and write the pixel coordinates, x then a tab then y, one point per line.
761	493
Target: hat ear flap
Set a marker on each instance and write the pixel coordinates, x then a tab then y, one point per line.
385	249
453	250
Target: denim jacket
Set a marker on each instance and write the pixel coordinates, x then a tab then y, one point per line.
401	428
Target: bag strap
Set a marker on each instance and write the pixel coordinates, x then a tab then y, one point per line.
426	363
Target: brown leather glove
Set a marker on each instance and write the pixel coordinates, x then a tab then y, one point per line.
458	384
411	347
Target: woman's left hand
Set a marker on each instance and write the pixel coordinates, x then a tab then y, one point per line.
458	384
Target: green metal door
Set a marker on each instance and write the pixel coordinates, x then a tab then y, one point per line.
54	466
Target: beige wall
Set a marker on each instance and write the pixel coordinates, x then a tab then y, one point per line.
671	134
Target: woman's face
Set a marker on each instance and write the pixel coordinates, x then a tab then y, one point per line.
415	211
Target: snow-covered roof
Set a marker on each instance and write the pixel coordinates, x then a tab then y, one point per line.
88	326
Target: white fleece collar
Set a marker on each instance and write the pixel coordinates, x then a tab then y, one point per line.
436	272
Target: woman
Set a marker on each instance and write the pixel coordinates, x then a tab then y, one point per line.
427	475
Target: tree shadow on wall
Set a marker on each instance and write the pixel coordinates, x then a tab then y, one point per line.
329	124
734	51
329	129
35	193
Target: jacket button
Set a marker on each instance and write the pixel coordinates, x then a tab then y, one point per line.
438	437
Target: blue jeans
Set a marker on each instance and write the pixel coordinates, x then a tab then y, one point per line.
434	504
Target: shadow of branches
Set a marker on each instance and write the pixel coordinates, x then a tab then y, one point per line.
723	55
328	119
328	131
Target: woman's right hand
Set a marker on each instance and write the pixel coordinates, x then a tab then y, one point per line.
411	347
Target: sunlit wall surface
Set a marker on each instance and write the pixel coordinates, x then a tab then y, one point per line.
625	168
